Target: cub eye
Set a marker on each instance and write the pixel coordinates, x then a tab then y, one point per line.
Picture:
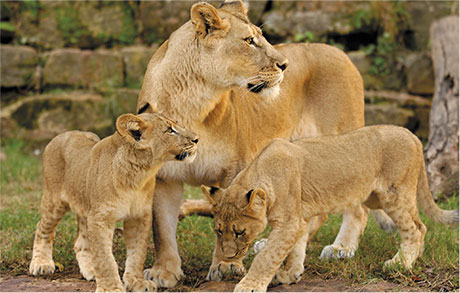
171	130
249	41
239	233
218	231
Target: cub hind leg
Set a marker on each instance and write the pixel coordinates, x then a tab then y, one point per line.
51	213
83	251
401	206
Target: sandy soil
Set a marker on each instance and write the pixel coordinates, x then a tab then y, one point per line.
73	283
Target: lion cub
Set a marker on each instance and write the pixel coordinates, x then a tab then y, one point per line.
290	182
104	181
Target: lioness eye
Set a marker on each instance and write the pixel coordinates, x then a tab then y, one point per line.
249	41
171	130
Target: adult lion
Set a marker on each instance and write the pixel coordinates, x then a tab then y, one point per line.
218	76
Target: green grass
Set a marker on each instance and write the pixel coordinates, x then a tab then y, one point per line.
20	193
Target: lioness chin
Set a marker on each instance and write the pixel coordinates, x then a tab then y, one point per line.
291	182
104	181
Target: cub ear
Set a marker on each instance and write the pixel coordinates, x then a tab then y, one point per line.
130	127
256	202
206	19
209	192
235	6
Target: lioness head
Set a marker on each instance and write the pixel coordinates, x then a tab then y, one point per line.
231	51
163	137
239	216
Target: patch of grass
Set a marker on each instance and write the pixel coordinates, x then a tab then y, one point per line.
21	187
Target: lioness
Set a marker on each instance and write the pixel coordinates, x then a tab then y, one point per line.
290	182
104	181
218	76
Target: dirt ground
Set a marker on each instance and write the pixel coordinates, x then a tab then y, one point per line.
73	283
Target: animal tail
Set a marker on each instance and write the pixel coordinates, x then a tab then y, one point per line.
428	205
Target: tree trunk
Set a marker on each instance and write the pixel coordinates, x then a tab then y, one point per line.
441	152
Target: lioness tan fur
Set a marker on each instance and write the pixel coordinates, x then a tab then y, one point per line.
104	181
218	76
290	182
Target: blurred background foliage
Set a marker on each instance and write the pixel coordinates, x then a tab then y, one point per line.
78	64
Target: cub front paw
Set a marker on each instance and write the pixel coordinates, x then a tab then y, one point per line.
246	286
41	267
337	252
162	277
217	272
289	275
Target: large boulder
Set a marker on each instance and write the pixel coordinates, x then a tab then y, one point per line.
74	67
41	117
135	61
17	65
37	24
419	73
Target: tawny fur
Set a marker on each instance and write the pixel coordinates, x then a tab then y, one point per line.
291	182
105	181
200	77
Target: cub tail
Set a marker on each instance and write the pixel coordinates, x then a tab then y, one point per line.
428	205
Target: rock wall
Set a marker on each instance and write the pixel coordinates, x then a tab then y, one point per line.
78	64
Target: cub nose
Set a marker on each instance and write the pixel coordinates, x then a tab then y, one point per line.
282	65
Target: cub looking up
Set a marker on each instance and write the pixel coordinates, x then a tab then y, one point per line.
104	181
290	182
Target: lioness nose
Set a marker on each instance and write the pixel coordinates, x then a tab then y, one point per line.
195	141
282	65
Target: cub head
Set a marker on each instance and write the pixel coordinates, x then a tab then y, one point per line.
239	216
229	50
164	138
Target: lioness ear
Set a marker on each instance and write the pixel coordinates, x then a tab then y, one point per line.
256	202
130	127
206	19
209	192
235	6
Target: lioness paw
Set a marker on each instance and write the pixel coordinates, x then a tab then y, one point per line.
337	252
141	285
217	272
249	287
162	277
41	267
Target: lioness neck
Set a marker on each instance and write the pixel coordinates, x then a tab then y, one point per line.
177	86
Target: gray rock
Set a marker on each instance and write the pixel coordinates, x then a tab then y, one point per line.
17	65
135	61
41	117
361	60
387	114
419	73
74	67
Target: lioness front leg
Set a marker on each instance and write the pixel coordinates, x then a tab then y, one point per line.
166	207
347	241
220	265
100	236
264	266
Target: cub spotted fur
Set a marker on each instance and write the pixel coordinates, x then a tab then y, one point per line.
290	182
104	181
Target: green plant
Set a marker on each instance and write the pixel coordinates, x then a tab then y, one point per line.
6	26
306	36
